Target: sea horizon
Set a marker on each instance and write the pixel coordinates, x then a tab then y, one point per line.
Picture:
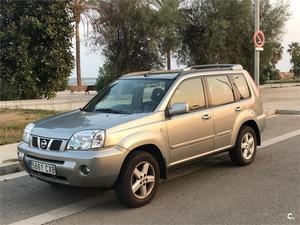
84	80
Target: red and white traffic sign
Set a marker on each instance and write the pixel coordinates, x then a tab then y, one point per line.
259	39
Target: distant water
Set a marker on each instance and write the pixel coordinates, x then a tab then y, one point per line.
84	80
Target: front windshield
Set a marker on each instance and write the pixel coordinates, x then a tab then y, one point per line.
130	96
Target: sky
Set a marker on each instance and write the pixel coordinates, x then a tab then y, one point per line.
292	33
91	60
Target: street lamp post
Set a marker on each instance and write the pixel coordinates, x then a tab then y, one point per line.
256	52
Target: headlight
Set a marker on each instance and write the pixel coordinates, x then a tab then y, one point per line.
87	139
27	132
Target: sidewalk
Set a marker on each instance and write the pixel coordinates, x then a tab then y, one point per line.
280	85
8	159
276	100
281	99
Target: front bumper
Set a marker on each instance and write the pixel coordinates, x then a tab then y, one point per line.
104	165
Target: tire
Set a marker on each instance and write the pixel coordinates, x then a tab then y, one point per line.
244	151
132	177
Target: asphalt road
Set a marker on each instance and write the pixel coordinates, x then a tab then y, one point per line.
210	191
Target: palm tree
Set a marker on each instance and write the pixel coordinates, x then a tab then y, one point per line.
170	20
294	51
79	8
277	53
294	48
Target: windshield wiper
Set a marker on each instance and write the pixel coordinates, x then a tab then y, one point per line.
111	111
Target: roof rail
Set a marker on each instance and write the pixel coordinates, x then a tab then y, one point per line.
138	73
215	66
151	72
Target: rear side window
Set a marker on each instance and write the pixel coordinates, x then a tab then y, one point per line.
241	86
220	90
189	91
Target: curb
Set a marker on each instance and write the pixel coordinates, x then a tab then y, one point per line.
279	85
7	168
287	112
271	112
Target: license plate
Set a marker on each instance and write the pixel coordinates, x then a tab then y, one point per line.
43	167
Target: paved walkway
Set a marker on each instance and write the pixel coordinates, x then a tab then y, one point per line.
8	153
64	101
281	98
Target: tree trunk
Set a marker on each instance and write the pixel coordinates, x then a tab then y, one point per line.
78	69
169	60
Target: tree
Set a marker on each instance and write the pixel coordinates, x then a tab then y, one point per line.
218	31
124	30
294	51
274	52
35	43
79	8
169	20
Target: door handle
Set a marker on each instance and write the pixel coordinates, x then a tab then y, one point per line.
206	117
238	108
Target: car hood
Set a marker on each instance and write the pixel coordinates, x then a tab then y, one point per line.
63	126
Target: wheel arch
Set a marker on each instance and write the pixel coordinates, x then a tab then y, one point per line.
254	126
156	153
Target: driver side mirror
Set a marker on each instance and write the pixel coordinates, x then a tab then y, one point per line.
178	108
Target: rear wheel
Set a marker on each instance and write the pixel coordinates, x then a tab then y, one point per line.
138	180
245	149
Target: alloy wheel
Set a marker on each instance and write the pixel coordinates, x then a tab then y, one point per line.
247	146
142	180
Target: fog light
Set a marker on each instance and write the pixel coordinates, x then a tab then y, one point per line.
85	170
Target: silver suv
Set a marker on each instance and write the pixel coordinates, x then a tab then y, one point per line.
134	130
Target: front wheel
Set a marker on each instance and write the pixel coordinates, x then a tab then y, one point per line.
245	149
138	180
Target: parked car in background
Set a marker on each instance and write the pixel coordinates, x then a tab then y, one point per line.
144	123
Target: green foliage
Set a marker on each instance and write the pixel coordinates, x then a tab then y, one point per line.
270	73
126	32
218	31
35	43
168	19
107	74
136	35
294	51
274	51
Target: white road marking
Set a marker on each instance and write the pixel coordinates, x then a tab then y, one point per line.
12	176
108	195
67	210
280	138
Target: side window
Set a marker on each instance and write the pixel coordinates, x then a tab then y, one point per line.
241	86
189	91
220	90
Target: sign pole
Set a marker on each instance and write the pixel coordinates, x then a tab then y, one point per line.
256	52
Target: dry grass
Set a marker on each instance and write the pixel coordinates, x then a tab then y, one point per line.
13	121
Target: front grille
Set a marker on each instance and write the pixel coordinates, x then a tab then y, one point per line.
55	145
35	142
47	143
